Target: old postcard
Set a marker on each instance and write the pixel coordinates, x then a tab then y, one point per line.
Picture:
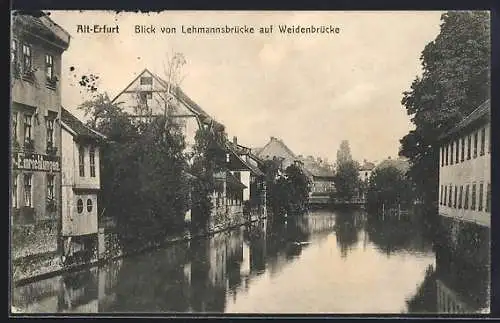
250	162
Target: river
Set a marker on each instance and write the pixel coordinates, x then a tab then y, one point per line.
323	262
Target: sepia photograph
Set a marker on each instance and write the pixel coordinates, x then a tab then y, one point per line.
250	162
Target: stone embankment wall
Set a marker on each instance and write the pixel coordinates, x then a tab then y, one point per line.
30	266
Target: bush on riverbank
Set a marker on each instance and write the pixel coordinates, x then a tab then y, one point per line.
288	192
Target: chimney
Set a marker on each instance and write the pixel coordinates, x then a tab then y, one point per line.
235	140
389	157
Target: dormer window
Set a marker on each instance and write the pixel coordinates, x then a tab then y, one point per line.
146	80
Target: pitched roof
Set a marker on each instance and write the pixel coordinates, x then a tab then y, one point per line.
402	164
481	113
78	128
366	166
281	143
39	22
316	169
204	117
237	152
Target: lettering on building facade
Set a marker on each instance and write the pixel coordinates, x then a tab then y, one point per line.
36	162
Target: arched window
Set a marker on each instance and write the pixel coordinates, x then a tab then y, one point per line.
89	205
79	206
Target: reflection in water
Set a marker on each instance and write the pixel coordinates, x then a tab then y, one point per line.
340	262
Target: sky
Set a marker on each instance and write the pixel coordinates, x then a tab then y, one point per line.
312	90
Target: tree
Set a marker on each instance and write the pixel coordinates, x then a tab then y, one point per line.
455	80
143	182
287	192
346	176
389	186
344	153
298	186
208	158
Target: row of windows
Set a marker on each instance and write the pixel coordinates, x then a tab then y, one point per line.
465	147
27	190
26	57
79	206
81	161
27	123
231	199
458	196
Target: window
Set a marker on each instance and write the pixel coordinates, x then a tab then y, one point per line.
473	197
451	153
13	51
79	206
27	128
14	190
457	152
89	205
28	192
441	196
445	195
92	161
50	187
468	146
26	58
145	96
466	202
14	126
50	132
463	150
146	80
449	196
488	198
483	141
81	161
456	197
475	144
446	153
49	67
460	196
481	195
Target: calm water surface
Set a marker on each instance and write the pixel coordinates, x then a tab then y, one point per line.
324	262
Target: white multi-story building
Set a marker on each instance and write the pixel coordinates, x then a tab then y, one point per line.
464	173
80	184
465	190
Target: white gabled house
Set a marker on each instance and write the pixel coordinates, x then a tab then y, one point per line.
147	95
80	185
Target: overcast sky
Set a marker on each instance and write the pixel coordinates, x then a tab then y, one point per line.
312	91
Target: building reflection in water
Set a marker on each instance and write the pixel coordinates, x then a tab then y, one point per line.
88	291
205	274
454	286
